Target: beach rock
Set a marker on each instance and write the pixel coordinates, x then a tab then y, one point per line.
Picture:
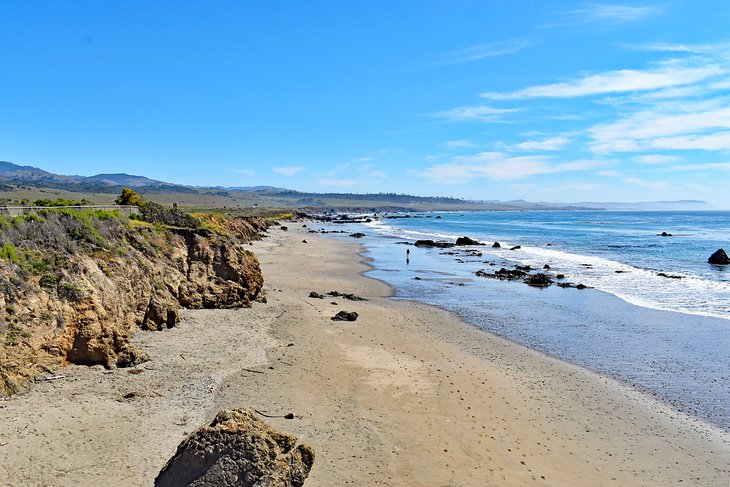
581	286
304	241
237	449
719	258
431	243
348	296
664	234
467	241
437	217
538	280
357	235
503	274
496	245
546	267
316	295
525	268
516	247
560	276
670	276
345	316
284	228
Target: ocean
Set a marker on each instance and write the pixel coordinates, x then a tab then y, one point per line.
667	335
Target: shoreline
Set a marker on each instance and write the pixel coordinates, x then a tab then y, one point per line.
409	394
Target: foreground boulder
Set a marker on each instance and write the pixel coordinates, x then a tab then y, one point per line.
719	258
431	243
237	449
345	316
538	280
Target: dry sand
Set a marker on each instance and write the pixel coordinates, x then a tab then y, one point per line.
406	395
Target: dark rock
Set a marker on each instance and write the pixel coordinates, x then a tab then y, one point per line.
719	258
315	294
546	267
417	278
581	286
467	241
357	235
516	247
284	229
237	448
525	268
496	245
503	274
350	296
670	276
345	316
437	217
304	241
565	284
304	226
664	234
560	276
431	243
538	280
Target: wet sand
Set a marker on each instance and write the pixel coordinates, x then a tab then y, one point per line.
406	395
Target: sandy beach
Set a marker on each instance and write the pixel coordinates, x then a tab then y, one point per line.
406	395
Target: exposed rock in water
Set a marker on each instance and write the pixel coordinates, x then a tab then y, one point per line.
357	235
525	268
560	276
237	449
496	245
665	234
99	280
345	316
670	276
431	243
538	280
516	247
467	241
719	258
284	228
546	267
503	274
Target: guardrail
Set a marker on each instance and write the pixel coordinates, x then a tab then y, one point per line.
24	210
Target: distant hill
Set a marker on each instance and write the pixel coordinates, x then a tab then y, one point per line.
30	180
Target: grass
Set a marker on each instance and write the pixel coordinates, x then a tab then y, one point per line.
8	253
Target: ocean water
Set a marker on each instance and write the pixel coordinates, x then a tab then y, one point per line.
669	337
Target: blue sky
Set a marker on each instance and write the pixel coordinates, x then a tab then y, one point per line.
539	100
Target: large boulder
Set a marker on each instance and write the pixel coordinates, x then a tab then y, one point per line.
237	449
431	243
719	258
467	241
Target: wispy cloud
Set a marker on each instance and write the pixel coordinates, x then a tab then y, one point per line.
501	167
667	74
458	144
548	144
654	159
612	13
480	113
653	185
482	51
684	48
288	170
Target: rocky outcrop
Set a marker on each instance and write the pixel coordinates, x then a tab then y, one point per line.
719	258
538	280
80	300
467	241
237	449
431	243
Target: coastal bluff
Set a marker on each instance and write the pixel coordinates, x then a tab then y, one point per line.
75	286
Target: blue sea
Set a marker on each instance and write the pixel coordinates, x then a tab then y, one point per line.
667	336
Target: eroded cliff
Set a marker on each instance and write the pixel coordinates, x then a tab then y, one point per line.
76	285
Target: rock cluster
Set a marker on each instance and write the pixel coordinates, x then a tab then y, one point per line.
237	449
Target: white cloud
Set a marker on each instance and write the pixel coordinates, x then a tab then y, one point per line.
668	74
679	127
482	51
548	144
288	170
712	166
656	159
501	167
481	113
653	185
342	183
246	172
614	14
459	144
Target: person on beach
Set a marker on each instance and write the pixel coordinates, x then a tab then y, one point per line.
408	255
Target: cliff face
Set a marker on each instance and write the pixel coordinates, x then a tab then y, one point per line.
77	291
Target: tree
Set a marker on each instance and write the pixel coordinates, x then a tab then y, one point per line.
129	197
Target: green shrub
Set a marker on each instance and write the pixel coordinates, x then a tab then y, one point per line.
50	280
70	292
8	252
14	335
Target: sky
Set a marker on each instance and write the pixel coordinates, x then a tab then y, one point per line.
560	101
